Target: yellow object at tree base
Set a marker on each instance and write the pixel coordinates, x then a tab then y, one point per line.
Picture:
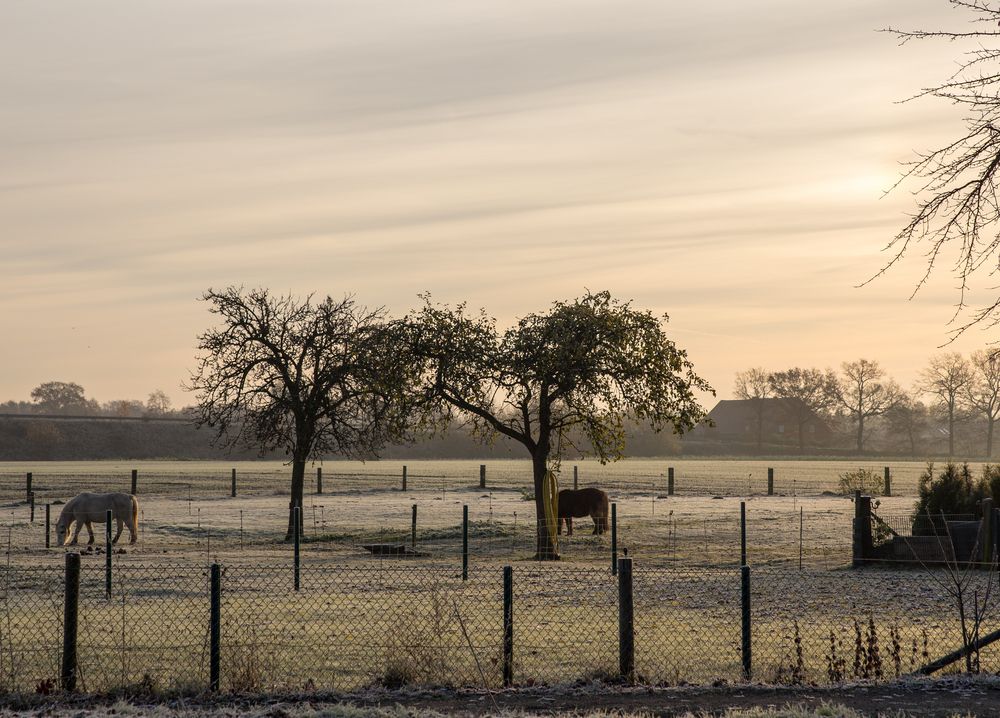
550	502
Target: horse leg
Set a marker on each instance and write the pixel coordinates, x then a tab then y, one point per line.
76	533
90	531
559	524
132	532
117	535
597	524
569	525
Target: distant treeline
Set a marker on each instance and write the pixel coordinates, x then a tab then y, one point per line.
41	438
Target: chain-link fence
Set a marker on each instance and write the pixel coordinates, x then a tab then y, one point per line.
336	629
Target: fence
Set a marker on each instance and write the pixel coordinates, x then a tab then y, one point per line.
682	477
348	627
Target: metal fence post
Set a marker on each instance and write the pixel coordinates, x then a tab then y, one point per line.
482	476
107	553
71	612
508	626
404	478
319	479
888	482
48	525
743	533
626	632
298	530
770	481
413	526
215	621
135	481
670	481
465	543
27	486
745	605
614	539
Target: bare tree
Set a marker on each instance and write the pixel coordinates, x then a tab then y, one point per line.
313	379
982	394
945	378
907	419
754	385
805	394
956	184
864	393
158	403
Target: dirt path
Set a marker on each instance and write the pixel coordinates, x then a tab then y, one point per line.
937	698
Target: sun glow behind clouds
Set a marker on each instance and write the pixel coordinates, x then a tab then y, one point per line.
722	162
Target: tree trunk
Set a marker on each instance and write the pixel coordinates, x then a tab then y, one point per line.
861	433
951	431
989	437
545	548
298	482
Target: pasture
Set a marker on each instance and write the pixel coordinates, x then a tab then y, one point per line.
359	618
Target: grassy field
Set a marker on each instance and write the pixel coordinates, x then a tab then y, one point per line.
361	619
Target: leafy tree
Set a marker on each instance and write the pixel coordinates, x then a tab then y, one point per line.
577	370
864	393
59	397
311	378
953	492
956	184
982	393
753	385
805	394
945	378
124	407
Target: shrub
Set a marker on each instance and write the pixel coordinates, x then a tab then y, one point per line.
863	480
953	492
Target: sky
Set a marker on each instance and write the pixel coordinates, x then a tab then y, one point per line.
725	163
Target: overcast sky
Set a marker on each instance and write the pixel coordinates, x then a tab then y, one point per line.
723	162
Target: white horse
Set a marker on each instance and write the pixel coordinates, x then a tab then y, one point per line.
86	509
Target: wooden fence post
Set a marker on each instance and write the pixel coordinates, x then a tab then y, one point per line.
48	525
31	502
576	478
670	481
614	539
626	620
71	612
508	626
404	477
747	646
987	531
888	483
215	631
135	481
413	527
319	479
770	481
27	487
232	484
862	534
482	476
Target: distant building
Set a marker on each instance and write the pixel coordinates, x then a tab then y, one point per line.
769	421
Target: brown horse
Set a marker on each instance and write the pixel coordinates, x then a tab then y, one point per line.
583	502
